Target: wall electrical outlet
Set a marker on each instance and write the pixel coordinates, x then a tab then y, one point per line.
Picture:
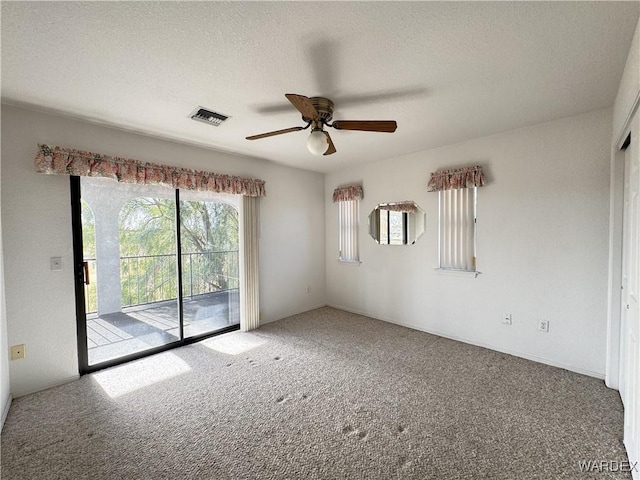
543	325
17	352
506	319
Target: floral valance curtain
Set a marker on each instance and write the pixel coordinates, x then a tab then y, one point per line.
66	161
408	207
466	177
344	194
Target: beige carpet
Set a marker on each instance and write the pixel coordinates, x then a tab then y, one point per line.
321	395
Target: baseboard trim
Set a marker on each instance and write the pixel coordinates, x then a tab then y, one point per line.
5	412
515	353
48	386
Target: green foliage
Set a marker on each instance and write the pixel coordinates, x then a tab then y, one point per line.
147	227
88	231
89	254
209	238
208	227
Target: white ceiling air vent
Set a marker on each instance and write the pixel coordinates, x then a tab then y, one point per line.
208	116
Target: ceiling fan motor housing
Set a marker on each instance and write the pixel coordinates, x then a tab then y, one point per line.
324	107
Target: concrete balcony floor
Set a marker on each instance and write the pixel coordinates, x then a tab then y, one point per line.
141	327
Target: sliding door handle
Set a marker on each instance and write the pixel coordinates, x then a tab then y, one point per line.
85	266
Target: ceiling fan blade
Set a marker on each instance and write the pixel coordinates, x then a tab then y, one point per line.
304	105
332	148
366	125
276	132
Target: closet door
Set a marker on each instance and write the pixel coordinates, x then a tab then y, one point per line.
630	341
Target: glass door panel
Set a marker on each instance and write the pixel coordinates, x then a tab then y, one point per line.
132	294
210	262
89	258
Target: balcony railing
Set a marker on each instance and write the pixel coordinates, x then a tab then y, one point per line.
152	278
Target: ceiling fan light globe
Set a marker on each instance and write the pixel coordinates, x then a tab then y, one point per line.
317	142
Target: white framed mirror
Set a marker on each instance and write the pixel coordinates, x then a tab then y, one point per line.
397	223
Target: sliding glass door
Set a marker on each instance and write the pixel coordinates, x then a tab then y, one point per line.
154	270
210	264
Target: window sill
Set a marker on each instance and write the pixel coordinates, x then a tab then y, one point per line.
353	263
458	273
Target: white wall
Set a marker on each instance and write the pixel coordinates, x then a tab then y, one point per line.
542	244
36	223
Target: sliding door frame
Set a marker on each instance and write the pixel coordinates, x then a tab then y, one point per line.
81	316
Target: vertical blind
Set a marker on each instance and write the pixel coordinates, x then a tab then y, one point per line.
457	193
250	291
348	200
457	228
348	220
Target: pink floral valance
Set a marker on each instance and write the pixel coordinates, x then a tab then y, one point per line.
344	194
65	161
409	207
466	177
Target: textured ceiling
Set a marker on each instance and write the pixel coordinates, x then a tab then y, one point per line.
446	72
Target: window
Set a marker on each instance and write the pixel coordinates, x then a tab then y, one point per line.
457	199
457	229
393	227
348	200
348	221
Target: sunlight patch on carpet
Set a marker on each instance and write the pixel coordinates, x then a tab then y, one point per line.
234	343
134	376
